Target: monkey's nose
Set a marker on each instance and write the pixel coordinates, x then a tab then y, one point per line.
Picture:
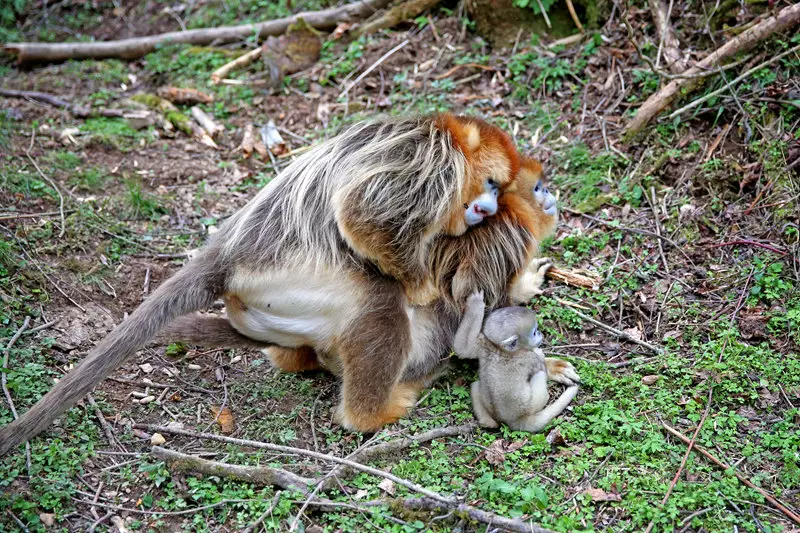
480	211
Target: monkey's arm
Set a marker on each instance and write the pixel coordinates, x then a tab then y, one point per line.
465	342
537	421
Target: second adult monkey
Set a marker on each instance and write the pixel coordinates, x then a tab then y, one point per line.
328	257
512	384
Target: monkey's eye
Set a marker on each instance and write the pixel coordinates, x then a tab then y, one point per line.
492	183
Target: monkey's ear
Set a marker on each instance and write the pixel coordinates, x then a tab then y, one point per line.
510	344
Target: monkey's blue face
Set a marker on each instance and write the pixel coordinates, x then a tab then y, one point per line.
485	205
535	337
545	198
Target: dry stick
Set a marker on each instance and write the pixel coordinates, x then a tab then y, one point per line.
4	379
299	451
749	243
656	216
55	101
375	65
574	16
785	19
544	14
405	11
258	475
33	215
107	429
41	327
136	47
668	42
767	496
51	182
207	122
239	62
252	527
736	80
618	332
685	457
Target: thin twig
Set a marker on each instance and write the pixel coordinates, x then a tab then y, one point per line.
4	379
18	521
749	243
544	14
107	429
656	217
33	215
193	510
252	527
299	451
685	457
375	65
618	332
41	327
51	182
767	496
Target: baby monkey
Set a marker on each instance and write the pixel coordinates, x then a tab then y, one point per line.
513	371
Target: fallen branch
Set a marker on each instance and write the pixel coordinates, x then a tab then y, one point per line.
767	496
577	278
258	475
405	11
574	16
184	95
240	62
299	451
55	101
326	19
4	379
668	42
787	18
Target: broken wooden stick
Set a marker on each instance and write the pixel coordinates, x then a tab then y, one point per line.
767	496
184	95
668	43
133	48
55	101
577	278
785	19
207	122
251	143
240	62
617	332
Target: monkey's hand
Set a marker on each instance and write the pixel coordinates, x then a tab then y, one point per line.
529	283
561	371
475	304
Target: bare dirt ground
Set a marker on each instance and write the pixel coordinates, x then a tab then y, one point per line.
693	229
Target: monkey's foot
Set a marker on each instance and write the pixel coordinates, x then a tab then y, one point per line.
561	371
545	199
302	359
365	420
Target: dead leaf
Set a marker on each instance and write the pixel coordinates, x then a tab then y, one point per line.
387	486
47	519
555	438
224	419
496	453
340	30
599	495
634	333
650	380
360	494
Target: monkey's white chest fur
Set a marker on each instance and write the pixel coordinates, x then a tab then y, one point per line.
292	308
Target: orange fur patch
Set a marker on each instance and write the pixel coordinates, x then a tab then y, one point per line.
301	359
402	398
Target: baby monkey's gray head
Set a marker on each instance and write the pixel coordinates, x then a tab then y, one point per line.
513	328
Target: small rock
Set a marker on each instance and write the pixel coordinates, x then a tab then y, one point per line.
650	380
146	368
194	367
157	439
236	359
47	519
147	399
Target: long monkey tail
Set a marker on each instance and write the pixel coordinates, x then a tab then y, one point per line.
192	288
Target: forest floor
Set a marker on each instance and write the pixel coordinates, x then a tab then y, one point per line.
693	230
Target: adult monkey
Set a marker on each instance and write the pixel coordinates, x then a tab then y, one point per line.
327	255
498	255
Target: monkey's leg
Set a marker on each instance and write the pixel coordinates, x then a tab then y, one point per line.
374	353
480	410
561	371
466	338
537	421
300	359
